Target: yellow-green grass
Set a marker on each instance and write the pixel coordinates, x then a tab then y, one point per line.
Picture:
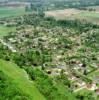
20	79
88	16
4	30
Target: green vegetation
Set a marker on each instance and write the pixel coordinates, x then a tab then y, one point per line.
8	90
4	30
85	95
11	11
20	79
88	16
42	58
46	86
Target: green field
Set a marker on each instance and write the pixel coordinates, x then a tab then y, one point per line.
4	30
9	11
72	14
20	78
89	16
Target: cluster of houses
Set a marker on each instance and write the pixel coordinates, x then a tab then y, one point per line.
29	37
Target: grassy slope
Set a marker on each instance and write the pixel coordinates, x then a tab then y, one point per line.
20	79
62	89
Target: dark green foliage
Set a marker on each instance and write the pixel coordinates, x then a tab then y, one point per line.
35	57
85	96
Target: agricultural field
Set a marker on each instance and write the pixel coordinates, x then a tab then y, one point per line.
11	11
62	14
90	16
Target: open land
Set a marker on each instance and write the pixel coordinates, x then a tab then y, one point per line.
90	16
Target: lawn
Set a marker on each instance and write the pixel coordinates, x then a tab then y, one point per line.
11	11
20	78
4	30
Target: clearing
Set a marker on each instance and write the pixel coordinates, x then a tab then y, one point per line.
62	14
90	16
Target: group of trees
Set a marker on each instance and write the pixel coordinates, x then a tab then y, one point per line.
31	57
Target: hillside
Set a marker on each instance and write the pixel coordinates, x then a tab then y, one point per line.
21	80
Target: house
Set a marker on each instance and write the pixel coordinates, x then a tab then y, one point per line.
91	86
97	91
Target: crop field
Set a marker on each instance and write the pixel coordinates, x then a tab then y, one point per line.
62	14
91	16
11	11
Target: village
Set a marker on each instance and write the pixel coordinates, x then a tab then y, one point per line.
63	49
